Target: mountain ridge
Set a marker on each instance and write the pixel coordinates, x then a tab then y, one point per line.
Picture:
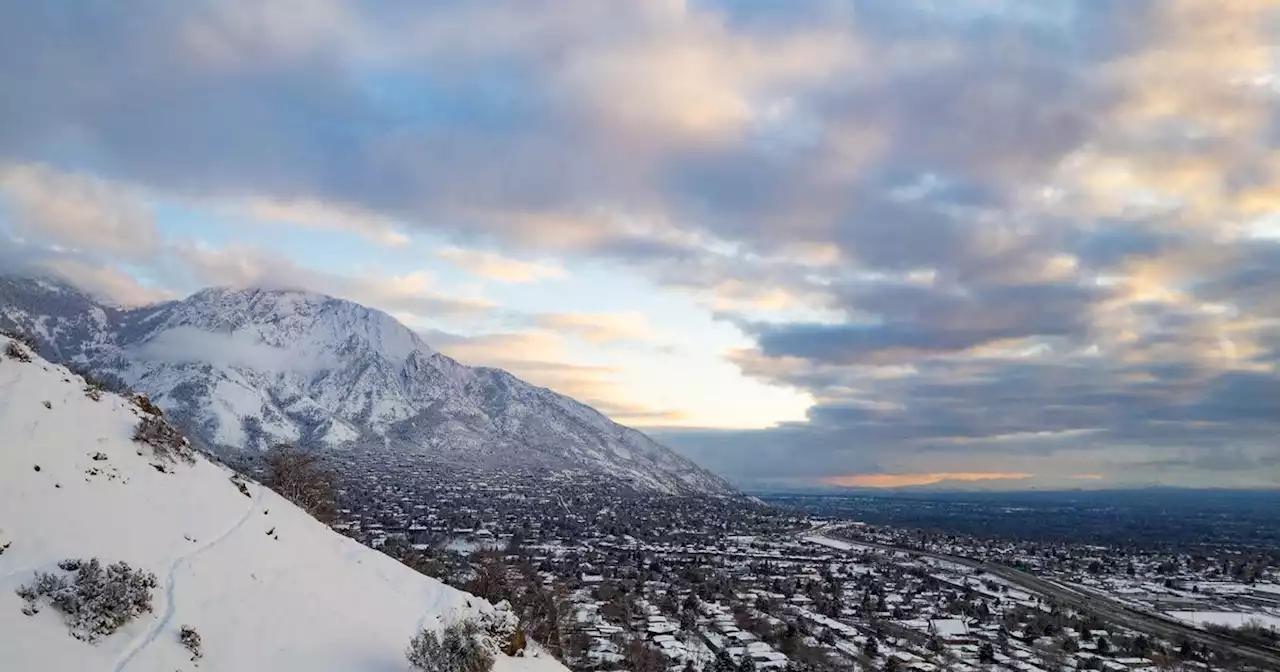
263	584
246	368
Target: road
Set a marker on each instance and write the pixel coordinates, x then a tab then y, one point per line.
1109	609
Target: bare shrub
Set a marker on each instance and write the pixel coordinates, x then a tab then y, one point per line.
94	601
15	351
166	442
143	402
27	593
302	478
25	339
190	639
237	481
461	647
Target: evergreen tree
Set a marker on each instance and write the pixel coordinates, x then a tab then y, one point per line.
723	663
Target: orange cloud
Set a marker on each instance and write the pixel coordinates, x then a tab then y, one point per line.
500	268
317	214
77	210
1088	477
601	327
904	480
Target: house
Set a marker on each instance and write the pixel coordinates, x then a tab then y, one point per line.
769	660
950	630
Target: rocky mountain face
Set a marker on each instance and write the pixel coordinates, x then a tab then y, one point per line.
245	369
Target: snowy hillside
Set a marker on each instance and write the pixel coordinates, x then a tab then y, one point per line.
264	585
250	368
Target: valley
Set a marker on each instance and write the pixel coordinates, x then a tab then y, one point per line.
611	552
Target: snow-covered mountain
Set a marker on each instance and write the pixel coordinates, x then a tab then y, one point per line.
250	368
264	585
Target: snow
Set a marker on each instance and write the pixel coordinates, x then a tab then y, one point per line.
829	543
949	627
837	544
303	367
1231	619
303	598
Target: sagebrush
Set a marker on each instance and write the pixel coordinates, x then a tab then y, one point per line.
25	339
144	404
460	647
190	639
95	601
166	442
503	628
15	351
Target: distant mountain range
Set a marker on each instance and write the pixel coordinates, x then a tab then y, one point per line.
245	369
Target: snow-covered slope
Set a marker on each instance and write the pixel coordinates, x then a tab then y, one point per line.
250	368
266	586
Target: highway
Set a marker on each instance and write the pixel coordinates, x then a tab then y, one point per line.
1109	609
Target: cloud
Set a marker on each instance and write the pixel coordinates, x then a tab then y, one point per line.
85	269
985	237
420	113
535	349
315	214
447	116
413	293
494	266
1108	299
542	358
236	350
599	327
911	321
76	210
108	283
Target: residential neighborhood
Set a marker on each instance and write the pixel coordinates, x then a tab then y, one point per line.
628	581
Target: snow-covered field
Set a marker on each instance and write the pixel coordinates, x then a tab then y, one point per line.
829	543
837	544
267	587
1232	619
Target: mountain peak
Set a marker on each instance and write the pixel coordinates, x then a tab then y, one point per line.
293	319
243	369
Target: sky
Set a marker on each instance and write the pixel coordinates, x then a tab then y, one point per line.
868	243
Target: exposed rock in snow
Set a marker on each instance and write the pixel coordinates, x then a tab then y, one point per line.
250	368
305	599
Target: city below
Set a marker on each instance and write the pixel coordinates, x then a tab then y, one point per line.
1018	581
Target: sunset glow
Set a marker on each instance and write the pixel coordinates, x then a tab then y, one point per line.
906	480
